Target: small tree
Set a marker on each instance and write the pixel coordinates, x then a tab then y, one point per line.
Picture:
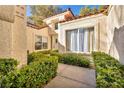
85	11
40	12
101	8
94	10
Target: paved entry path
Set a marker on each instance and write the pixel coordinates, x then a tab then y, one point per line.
73	77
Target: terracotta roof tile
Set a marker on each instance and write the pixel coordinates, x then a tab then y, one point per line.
35	26
105	10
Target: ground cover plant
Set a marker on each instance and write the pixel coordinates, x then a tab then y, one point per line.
109	72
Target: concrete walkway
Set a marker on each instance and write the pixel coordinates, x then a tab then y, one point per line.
73	77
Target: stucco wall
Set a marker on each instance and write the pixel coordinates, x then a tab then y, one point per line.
102	34
13	33
7	13
19	39
31	33
115	29
5	38
30	39
6	21
96	21
54	42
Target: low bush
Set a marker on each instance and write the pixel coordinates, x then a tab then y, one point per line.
59	55
7	65
40	55
75	59
36	74
109	72
36	56
45	51
56	50
66	58
72	59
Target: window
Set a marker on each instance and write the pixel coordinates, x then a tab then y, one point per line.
41	42
56	40
78	40
56	26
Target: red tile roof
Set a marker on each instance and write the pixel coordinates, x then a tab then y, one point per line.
35	26
104	11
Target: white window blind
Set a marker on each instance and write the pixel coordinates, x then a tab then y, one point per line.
78	40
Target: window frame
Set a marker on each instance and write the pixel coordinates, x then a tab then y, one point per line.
56	26
42	42
89	51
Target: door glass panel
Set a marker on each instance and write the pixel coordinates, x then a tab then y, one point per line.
72	40
81	40
86	40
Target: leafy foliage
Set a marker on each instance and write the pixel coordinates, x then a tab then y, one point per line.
39	12
35	56
7	65
101	8
41	54
90	11
94	10
36	74
85	11
72	59
66	58
109	72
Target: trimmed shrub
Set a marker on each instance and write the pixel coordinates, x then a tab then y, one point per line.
34	75
36	56
72	59
66	58
109	72
7	65
56	50
45	52
40	55
59	55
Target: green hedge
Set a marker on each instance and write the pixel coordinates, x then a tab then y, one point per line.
72	59
66	58
7	65
35	56
109	72
36	74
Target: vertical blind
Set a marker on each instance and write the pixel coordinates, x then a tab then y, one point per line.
78	40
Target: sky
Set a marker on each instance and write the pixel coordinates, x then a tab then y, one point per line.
75	8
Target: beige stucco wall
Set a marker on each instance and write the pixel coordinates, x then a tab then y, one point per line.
115	29
19	43
96	21
13	33
32	32
7	13
54	43
102	34
30	39
6	21
5	38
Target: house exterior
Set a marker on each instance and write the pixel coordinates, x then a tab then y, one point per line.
63	31
46	38
68	34
38	38
97	32
83	35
